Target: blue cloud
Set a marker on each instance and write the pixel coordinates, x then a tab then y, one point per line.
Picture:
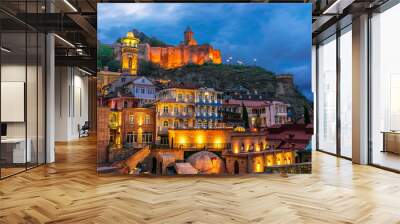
278	36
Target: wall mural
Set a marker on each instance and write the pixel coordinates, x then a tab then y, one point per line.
215	89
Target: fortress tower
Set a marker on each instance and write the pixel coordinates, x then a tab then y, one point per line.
129	54
188	37
187	52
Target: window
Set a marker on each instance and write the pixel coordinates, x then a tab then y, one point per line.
165	123
147	119
180	97
165	109
131	119
385	89
147	137
142	90
327	95
129	138
136	90
346	93
176	110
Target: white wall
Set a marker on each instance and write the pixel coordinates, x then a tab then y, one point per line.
71	102
314	91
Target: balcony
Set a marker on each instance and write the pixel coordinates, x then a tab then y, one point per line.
212	116
209	102
184	100
175	115
113	125
200	147
163	130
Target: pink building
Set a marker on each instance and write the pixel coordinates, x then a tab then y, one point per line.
261	113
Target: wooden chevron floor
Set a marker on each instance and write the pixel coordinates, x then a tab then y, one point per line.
70	191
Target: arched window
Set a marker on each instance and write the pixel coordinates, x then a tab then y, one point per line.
130	62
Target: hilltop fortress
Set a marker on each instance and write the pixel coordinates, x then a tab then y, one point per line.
187	52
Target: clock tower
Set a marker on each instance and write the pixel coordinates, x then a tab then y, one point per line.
129	54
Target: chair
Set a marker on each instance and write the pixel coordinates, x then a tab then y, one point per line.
84	130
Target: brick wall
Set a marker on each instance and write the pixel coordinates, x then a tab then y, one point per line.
103	134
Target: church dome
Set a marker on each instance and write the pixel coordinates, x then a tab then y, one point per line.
207	162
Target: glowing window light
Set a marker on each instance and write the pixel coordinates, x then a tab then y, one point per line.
258	167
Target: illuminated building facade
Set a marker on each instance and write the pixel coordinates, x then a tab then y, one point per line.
129	91
248	141
208	104
115	125
143	89
188	52
261	113
138	127
277	111
200	139
175	108
256	111
129	54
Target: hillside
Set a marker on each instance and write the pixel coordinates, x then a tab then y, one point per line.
223	77
152	41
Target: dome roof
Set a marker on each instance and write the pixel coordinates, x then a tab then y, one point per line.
188	29
207	162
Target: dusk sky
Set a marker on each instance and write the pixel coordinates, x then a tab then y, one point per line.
278	36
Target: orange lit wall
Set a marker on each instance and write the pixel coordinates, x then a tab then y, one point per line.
248	139
139	125
257	163
178	56
217	138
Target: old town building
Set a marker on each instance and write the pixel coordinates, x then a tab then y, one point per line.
208	103
261	113
138	127
175	108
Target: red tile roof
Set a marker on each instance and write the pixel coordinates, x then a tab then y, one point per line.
295	136
247	103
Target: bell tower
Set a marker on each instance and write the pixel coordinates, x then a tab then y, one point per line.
129	53
188	37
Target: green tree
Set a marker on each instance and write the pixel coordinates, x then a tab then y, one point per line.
114	65
104	55
245	117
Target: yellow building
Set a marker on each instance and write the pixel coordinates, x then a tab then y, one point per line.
115	123
175	109
129	53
